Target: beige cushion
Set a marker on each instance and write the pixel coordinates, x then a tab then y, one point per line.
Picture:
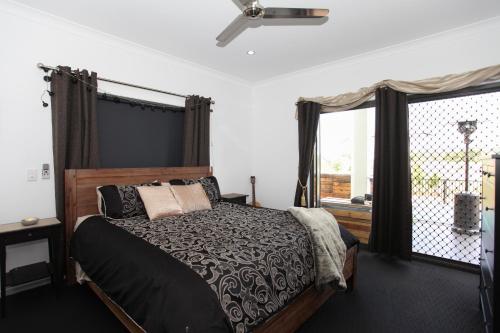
159	201
191	197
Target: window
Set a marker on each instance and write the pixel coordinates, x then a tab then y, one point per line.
445	165
346	153
137	134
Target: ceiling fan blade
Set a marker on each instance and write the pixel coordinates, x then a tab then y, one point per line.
285	13
294	22
239	24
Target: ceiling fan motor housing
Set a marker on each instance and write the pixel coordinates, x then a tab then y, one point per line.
254	11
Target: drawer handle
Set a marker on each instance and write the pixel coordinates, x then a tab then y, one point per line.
488	251
30	234
487	209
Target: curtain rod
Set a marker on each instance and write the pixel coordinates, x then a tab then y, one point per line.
45	67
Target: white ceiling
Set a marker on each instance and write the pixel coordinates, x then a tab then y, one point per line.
187	28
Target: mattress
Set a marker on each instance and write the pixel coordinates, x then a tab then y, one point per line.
244	264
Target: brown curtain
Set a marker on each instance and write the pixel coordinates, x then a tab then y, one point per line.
392	210
197	131
74	125
308	119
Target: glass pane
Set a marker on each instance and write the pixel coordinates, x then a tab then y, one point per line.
346	153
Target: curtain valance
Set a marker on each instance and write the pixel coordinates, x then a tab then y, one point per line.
434	85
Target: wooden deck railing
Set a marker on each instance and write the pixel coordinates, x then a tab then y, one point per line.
335	186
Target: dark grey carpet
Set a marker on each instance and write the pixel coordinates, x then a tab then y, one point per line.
391	296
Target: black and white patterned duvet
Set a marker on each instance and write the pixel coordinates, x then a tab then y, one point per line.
255	260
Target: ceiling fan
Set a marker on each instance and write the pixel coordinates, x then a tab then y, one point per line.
254	14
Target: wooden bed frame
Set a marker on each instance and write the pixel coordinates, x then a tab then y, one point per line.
81	200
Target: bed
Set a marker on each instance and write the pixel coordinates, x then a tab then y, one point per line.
233	286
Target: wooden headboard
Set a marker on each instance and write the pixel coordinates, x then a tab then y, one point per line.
81	196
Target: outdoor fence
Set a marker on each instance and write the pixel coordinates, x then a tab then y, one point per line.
335	186
444	189
339	186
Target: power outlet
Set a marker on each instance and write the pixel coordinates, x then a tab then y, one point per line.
45	171
32	175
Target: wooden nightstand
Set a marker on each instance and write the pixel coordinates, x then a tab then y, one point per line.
14	233
236	198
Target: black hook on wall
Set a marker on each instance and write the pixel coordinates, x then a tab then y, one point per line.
47	79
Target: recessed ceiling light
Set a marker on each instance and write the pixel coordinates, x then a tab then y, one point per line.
251	52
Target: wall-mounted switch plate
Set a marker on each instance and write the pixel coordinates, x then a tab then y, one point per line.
45	171
32	175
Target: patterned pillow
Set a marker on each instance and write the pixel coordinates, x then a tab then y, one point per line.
210	185
121	201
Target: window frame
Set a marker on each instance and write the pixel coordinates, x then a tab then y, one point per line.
315	172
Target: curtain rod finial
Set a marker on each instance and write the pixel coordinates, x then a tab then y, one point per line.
42	67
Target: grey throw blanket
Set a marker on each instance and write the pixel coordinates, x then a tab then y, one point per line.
328	247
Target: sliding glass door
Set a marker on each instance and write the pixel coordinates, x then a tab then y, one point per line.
449	138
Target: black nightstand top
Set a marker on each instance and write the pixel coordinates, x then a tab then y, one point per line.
17	226
230	196
235	198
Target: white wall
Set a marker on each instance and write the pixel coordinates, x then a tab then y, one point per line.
275	152
28	37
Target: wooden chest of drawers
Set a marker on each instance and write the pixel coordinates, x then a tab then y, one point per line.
489	241
356	218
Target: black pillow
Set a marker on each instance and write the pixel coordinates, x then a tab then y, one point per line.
111	203
209	184
122	201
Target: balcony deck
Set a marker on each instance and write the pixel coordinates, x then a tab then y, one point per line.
433	234
432	220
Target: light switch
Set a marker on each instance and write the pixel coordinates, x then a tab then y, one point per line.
32	175
45	171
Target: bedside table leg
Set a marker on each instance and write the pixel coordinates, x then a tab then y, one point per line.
2	277
55	259
52	264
